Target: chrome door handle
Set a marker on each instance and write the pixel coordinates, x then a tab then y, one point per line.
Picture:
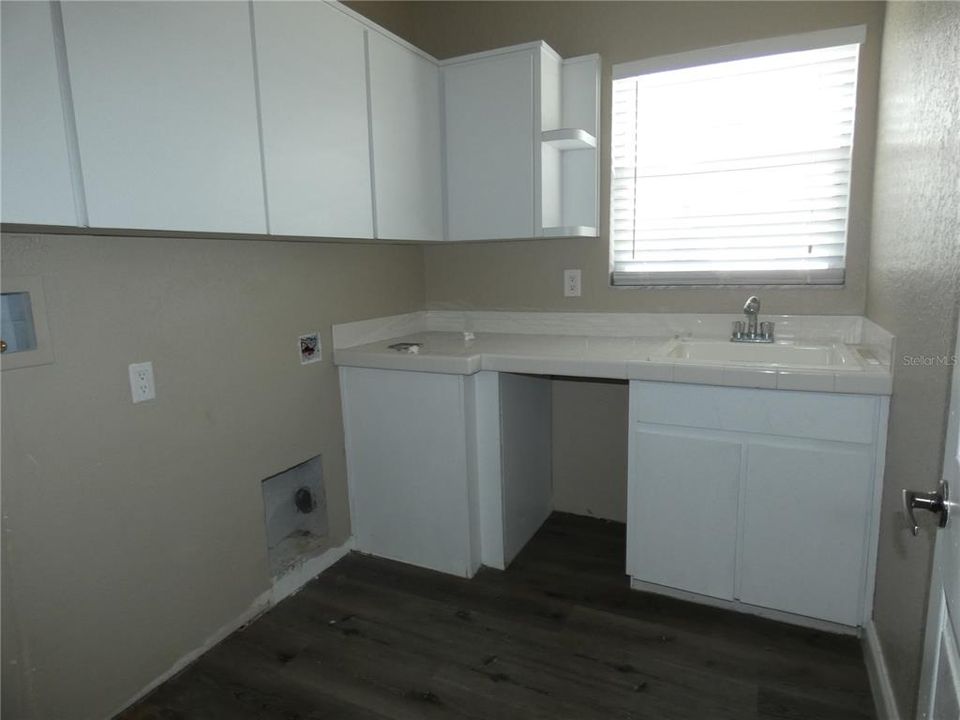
935	502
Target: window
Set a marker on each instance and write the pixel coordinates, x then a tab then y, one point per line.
732	165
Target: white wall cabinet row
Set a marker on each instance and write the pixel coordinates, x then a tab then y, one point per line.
287	118
763	499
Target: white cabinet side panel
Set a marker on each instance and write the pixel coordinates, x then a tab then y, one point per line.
489	108
526	419
683	492
407	462
489	471
36	174
166	114
313	105
804	527
407	142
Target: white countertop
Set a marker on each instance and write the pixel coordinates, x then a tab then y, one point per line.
644	357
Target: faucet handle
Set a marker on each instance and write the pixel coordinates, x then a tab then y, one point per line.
766	331
737	329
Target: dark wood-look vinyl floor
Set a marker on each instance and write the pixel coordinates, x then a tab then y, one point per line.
558	636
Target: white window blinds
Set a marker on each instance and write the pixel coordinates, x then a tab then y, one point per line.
734	172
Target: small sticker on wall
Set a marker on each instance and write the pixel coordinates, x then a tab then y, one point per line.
310	348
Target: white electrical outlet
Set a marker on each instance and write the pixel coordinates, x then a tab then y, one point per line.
141	382
571	283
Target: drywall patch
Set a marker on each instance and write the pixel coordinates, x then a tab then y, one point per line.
295	514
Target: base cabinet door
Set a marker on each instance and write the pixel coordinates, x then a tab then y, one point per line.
407	465
682	510
806	506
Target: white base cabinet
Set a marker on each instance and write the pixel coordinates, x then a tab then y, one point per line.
763	499
410	484
446	471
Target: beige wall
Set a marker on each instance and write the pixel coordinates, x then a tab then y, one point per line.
913	291
528	275
590	448
132	532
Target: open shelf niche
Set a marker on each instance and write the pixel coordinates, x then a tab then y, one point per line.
570	161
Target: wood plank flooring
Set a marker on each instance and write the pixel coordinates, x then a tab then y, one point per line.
558	636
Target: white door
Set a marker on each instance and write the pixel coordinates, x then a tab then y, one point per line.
940	679
490	127
37	180
313	106
407	144
166	114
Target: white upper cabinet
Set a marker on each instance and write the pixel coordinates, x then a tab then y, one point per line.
405	120
491	139
521	144
313	106
37	180
166	114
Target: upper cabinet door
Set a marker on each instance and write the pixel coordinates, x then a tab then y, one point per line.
407	141
313	106
37	180
166	114
490	152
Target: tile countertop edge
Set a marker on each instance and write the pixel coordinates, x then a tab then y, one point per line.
616	365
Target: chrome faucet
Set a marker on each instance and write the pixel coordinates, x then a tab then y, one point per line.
752	330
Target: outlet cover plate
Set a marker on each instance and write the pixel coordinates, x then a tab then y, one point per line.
142	387
310	348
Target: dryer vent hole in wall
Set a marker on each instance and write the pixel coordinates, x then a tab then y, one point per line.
295	514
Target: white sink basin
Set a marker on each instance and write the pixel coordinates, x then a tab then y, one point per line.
778	354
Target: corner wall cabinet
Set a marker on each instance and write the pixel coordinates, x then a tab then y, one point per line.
407	138
521	157
290	119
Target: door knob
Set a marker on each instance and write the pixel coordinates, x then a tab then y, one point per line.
935	502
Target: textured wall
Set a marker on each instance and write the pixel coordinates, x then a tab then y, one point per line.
133	532
913	292
528	275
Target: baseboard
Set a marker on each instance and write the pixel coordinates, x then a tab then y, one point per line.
883	697
746	608
296	577
283	587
